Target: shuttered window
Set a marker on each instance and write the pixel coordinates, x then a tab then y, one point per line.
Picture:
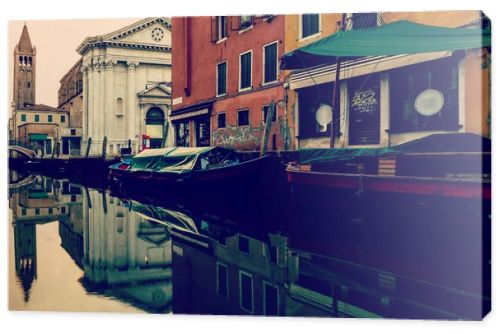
246	70
221	27
221	120
271	62
243	117
310	25
221	78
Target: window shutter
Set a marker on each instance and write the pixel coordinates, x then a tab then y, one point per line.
235	23
213	28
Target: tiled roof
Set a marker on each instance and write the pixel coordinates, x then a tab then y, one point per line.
25	41
43	108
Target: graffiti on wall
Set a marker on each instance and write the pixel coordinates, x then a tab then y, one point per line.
238	137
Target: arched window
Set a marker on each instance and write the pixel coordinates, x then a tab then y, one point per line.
155	116
20	60
29	61
119	106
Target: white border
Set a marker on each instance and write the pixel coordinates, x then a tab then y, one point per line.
133	323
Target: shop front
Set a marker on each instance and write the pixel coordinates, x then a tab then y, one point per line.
385	106
192	125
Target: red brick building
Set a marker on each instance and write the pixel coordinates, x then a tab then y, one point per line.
225	75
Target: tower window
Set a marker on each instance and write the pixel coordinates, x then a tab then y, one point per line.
28	84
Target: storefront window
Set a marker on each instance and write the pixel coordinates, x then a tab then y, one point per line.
424	97
182	134
310	101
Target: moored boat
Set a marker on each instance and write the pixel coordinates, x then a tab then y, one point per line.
448	165
195	171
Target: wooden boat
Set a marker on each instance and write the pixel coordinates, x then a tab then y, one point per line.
448	165
193	170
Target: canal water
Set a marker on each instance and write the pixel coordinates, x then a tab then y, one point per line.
85	248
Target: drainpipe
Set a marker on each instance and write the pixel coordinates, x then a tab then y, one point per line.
286	86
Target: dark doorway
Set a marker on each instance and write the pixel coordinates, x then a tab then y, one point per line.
364	110
155	120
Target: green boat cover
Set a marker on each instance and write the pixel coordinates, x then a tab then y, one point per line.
436	143
400	37
177	160
163	216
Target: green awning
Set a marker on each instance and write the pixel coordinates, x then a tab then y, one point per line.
38	136
400	37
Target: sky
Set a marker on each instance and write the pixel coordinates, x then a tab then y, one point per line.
56	41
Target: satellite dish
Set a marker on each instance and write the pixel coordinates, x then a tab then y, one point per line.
429	102
324	114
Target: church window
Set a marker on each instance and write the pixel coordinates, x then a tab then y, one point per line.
119	106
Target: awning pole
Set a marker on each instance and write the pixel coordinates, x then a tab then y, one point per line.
334	105
335	89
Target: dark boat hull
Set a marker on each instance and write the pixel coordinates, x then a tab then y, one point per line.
257	177
410	185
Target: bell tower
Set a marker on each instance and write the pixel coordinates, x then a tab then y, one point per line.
24	71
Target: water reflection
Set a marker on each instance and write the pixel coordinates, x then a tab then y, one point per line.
130	254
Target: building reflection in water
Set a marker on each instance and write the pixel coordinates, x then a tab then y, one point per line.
270	273
34	200
198	262
127	250
123	247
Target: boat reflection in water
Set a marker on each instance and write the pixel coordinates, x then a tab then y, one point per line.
139	255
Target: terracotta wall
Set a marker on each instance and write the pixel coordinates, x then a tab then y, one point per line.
195	56
75	108
42	128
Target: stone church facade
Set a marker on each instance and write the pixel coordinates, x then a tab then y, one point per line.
126	87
